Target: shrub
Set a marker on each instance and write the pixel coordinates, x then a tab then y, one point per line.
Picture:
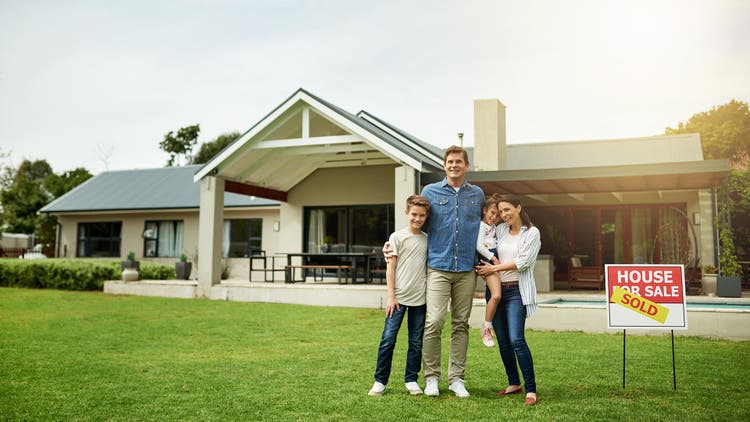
71	274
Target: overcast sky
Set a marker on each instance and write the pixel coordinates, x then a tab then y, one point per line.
97	84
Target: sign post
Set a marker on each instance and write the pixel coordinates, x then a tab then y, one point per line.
646	297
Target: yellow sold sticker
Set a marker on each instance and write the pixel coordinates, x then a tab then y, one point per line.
639	304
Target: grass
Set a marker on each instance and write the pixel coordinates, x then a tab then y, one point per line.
90	356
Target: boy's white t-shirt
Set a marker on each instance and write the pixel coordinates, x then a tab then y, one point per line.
411	266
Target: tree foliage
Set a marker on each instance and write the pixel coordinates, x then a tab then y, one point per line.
26	189
180	144
738	189
59	184
724	130
23	195
209	149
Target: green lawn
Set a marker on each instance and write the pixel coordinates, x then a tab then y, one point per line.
85	355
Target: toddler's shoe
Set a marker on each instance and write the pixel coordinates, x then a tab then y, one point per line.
487	337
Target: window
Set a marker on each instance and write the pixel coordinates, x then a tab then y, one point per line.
99	239
162	239
347	229
241	237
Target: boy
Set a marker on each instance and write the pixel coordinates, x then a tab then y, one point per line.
405	277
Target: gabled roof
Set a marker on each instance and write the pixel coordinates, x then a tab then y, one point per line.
149	189
259	158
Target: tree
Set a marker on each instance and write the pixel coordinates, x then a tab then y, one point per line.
209	149
738	189
23	195
27	189
59	184
725	133
724	130
181	144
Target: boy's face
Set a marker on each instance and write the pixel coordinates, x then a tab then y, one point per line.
417	216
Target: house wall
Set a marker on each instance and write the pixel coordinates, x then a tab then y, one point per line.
134	223
333	186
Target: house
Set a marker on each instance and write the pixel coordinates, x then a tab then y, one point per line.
154	213
315	177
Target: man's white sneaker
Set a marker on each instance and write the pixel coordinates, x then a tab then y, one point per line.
431	389
458	388
377	389
413	388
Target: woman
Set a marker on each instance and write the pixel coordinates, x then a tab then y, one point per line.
517	245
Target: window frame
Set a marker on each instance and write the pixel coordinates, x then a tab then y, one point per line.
84	239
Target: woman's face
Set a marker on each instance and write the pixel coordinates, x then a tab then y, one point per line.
509	214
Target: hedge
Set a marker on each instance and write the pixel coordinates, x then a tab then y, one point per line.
72	274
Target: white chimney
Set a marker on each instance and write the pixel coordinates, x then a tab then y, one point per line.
489	135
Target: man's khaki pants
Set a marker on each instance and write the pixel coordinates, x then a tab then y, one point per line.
444	288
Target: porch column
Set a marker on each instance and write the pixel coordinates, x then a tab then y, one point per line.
210	232
405	185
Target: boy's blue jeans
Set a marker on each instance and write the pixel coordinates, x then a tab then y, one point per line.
388	343
509	324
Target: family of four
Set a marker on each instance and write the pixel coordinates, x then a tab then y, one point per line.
461	224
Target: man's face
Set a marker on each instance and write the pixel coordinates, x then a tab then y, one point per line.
455	166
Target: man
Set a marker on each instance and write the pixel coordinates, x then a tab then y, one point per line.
452	229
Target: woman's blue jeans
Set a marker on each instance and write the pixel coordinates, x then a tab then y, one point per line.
415	325
509	324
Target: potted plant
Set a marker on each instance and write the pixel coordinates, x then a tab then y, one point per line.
708	280
728	283
130	268
327	242
182	268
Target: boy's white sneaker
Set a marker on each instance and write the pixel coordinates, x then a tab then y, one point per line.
459	388
431	387
413	388
377	389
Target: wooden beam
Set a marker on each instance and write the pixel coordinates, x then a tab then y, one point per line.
250	190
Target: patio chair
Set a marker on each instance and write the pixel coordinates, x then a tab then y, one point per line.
584	277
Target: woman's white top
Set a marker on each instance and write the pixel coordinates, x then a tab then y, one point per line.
507	251
529	243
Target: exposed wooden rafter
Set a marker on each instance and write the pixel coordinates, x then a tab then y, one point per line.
250	190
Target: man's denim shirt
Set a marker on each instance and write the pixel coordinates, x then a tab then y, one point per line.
453	225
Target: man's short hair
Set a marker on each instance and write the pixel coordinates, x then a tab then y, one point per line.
418	201
455	149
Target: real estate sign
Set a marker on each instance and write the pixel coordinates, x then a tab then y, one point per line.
646	296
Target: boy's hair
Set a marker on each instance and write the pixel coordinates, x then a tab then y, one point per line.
418	201
455	149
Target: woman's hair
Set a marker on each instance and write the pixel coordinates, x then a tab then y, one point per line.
516	202
492	201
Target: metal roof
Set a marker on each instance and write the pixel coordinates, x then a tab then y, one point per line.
144	189
599	179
